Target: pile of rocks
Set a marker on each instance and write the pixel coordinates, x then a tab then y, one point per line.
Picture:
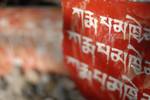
37	86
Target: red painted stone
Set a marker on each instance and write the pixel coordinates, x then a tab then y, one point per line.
133	43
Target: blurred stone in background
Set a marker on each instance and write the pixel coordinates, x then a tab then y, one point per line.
30	38
31	65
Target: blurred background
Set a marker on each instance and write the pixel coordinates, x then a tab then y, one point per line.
30	2
31	59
